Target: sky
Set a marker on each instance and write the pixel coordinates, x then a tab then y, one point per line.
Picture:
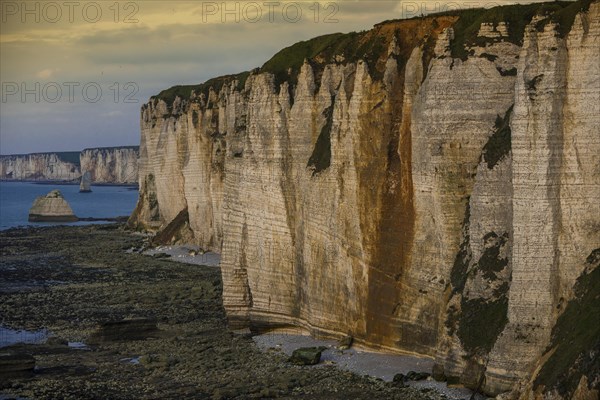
74	74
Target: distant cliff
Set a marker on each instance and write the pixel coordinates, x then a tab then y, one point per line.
106	165
62	166
111	165
429	186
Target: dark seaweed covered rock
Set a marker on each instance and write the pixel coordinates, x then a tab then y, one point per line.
306	356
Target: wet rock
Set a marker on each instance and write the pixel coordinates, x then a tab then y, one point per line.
345	343
125	330
158	361
438	373
306	355
417	376
161	255
15	364
56	341
400	380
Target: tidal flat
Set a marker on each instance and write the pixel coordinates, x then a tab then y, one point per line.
73	281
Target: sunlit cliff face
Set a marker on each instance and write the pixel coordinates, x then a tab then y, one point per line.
429	194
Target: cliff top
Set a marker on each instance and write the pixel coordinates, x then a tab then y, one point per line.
111	148
69	156
66	156
371	45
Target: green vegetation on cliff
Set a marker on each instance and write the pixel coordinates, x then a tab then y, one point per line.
564	16
499	144
481	322
353	46
483	319
458	275
185	91
576	336
285	65
516	16
291	58
321	156
69	156
132	147
370	45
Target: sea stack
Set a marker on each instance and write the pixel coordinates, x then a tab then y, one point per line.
51	208
86	181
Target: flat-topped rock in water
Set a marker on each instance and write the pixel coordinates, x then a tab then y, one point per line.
51	208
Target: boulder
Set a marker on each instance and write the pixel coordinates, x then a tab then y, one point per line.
400	380
51	208
345	343
417	376
86	182
438	373
306	356
125	330
15	364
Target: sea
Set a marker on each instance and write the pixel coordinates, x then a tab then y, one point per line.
16	198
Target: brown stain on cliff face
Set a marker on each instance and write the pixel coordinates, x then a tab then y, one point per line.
387	211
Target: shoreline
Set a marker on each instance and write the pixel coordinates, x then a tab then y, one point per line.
173	341
70	183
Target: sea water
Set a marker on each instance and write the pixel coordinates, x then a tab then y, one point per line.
16	198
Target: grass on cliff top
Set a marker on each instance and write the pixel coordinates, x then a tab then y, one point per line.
294	55
576	336
65	156
69	156
517	16
370	45
353	46
285	65
184	91
111	148
565	16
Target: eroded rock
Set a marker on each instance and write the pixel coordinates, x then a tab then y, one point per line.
51	208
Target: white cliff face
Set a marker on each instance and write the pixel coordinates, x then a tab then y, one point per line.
105	165
427	204
110	165
40	167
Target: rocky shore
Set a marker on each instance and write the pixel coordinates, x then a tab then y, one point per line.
124	325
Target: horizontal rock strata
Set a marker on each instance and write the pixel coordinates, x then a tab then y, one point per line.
51	208
105	165
429	186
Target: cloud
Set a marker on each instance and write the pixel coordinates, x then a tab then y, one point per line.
169	45
113	114
45	73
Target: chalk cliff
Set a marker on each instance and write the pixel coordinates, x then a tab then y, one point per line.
105	165
62	166
429	186
110	164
